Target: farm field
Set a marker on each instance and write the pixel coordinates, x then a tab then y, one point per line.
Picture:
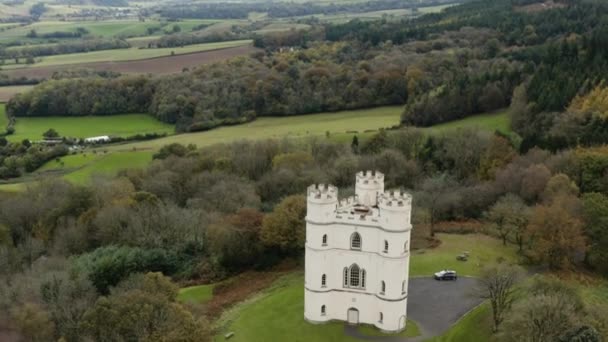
277	314
108	164
3	118
495	121
88	126
9	91
118	55
159	65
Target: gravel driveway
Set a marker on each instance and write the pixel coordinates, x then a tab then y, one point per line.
434	305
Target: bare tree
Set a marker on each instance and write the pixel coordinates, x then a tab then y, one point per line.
497	284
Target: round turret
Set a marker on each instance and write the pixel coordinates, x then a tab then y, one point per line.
395	210
367	187
322	201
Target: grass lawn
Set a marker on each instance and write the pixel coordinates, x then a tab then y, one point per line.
109	164
129	54
196	294
88	126
483	250
298	126
3	118
496	121
277	314
474	326
71	162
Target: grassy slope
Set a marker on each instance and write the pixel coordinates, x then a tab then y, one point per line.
127	54
110	164
474	326
483	250
3	118
89	126
279	127
496	121
276	315
196	294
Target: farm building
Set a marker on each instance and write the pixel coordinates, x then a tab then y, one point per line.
357	254
99	139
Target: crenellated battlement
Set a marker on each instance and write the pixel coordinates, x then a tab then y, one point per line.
322	192
395	199
370	177
348	202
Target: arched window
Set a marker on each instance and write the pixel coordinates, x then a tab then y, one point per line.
322	310
403	287
385	246
355	241
355	278
324	242
381	317
405	247
323	280
382	287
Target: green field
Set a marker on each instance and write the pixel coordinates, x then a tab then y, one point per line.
196	294
109	164
88	126
3	118
496	121
483	250
106	28
276	314
129	54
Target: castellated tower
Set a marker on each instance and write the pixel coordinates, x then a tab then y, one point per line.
357	254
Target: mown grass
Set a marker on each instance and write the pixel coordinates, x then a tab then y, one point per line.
196	294
474	326
88	126
129	54
3	118
496	121
483	250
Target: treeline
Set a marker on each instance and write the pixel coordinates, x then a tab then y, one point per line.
18	158
84	45
227	10
80	32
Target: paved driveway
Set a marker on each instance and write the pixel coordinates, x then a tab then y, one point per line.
434	305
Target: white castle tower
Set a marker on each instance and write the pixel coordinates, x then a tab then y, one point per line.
357	254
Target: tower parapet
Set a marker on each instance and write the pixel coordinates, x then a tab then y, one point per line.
322	202
368	185
396	209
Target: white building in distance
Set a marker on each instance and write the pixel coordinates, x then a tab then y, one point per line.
357	254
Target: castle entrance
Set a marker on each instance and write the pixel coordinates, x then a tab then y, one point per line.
353	316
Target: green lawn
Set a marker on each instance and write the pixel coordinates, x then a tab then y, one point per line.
109	164
298	126
474	326
196	294
3	118
129	54
88	126
277	313
483	250
496	121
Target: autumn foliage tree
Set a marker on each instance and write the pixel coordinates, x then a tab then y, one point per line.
284	228
556	236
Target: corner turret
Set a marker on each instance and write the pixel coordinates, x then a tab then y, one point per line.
322	201
395	210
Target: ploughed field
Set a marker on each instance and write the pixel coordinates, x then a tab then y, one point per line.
162	63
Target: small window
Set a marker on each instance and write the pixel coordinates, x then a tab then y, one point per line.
345	277
324	241
363	278
405	249
382	287
381	318
355	241
403	287
322	310
385	246
323	280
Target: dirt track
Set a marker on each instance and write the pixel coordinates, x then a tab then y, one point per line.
159	65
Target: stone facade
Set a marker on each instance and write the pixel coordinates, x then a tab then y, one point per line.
357	254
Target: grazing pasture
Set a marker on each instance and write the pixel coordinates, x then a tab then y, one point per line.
159	65
88	126
109	164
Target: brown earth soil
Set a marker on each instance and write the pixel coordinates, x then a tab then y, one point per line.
159	65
